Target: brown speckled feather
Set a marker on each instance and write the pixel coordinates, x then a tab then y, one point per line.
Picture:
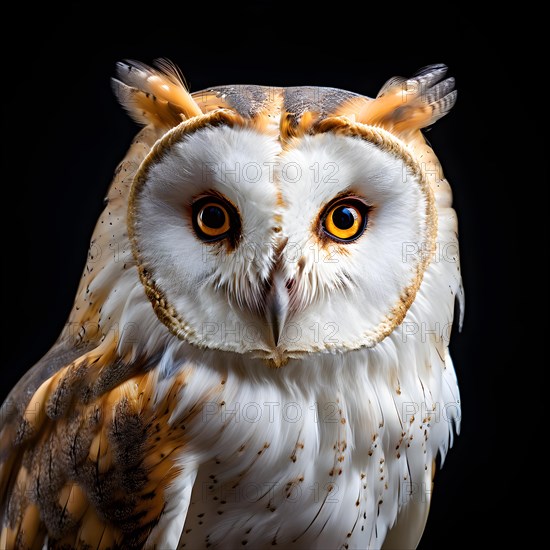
92	460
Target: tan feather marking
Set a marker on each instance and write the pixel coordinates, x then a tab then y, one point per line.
379	110
209	101
108	539
351	107
40	536
158	470
288	127
267	120
74	501
91	529
403	107
105	462
30	525
99	446
21	481
291	127
146	108
155	95
35	413
7	538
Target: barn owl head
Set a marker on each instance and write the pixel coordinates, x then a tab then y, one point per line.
277	222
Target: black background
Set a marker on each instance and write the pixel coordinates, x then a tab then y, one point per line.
65	133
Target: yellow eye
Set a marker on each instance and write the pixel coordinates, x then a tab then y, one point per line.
215	219
346	220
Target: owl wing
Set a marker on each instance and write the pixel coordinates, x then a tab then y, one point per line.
89	458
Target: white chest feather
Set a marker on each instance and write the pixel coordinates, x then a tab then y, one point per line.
323	457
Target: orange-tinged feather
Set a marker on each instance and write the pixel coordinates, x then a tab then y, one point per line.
29	525
105	462
22	478
107	539
7	466
209	101
7	538
404	107
35	413
154	95
91	530
160	470
375	112
174	93
74	500
38	542
99	446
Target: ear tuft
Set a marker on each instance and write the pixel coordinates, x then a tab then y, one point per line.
404	105
154	95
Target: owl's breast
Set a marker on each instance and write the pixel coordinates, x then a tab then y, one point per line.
287	478
301	465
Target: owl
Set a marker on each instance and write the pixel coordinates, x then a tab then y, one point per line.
257	355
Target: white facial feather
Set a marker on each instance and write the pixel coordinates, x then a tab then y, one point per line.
353	286
220	293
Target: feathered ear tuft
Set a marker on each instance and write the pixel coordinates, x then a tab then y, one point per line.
155	96
404	105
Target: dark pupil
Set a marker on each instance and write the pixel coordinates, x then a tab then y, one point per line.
213	216
342	217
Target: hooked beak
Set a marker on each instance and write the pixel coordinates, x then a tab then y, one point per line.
277	305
